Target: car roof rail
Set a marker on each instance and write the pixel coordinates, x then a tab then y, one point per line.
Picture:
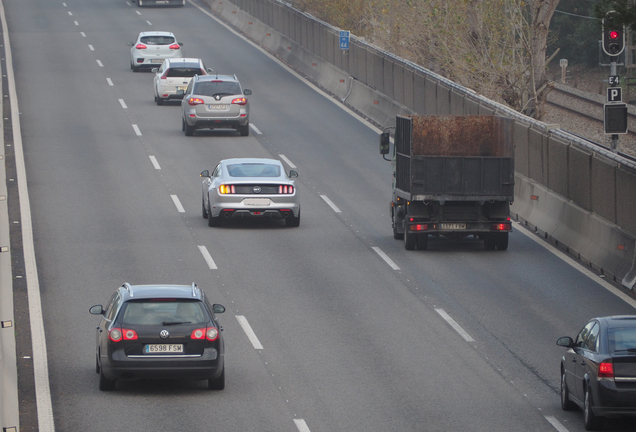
194	289
128	287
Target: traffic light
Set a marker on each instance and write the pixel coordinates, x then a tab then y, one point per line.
615	118
613	40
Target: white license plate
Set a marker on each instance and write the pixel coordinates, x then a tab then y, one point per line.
256	201
156	60
217	107
181	88
452	226
163	348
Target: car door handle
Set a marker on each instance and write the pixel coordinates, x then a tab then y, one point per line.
583	363
573	360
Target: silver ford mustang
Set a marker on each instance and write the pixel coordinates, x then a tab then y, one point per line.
250	187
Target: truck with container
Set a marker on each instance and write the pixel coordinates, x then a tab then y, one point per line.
453	177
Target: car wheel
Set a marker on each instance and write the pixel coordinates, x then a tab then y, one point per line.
591	421
97	368
217	383
189	130
182	124
204	211
490	241
502	241
105	384
410	240
244	130
134	68
566	403
213	221
159	100
293	221
396	235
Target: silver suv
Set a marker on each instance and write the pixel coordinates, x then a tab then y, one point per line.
215	101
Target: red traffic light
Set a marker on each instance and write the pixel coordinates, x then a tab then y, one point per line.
613	34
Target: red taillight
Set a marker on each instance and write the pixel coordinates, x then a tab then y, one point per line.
501	227
227	189
419	227
140	46
285	189
165	75
174	47
129	334
115	335
195	101
210	333
239	101
606	370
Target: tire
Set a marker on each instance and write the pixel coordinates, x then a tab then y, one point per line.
204	211
217	383
159	100
422	241
490	241
293	221
134	68
410	240
213	221
566	403
182	124
97	368
396	235
105	384
244	130
590	420
502	241
189	130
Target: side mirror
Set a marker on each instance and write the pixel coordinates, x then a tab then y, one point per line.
130	43
293	173
180	43
217	308
210	70
155	70
205	173
96	310
565	342
247	92
385	143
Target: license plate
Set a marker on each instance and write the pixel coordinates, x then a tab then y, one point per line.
181	88
452	226
256	201
217	107
163	348
156	60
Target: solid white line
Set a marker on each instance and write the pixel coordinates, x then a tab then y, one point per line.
249	332
154	162
609	287
207	257
90	47
301	425
287	161
256	129
557	424
177	203
385	257
136	128
454	325
110	82
122	103
331	204
99	63
38	338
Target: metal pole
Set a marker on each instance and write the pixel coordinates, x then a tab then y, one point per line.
614	145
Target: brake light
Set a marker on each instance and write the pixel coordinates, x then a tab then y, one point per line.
174	47
501	227
606	370
285	189
239	101
419	227
227	189
165	74
115	335
129	334
210	333
195	101
140	46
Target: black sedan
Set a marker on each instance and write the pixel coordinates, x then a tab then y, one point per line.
598	370
159	331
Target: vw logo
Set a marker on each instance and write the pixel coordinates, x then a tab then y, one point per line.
217	97
164	334
257	189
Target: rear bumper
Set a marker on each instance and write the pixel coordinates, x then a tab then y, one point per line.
615	401
238	210
468	228
220	123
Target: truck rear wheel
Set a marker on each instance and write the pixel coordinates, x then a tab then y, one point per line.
396	234
410	239
502	241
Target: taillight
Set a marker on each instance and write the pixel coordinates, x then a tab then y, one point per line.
285	189
227	189
606	370
140	46
239	101
174	47
165	74
129	334
195	101
501	227
210	333
198	334
418	227
115	335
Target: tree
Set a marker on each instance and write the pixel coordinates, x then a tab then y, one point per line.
625	12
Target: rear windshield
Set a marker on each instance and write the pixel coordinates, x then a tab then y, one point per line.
622	340
185	72
254	170
163	312
217	88
157	40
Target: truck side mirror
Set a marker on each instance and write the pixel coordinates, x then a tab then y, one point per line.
385	144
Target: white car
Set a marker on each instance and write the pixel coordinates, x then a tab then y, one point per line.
174	75
152	48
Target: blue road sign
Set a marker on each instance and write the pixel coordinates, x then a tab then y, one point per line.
344	40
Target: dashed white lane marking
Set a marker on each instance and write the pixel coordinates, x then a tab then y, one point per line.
149	23
136	128
249	332
76	23
385	257
207	257
154	162
110	82
99	63
287	161
138	13
557	424
454	325
90	47
122	103
70	13
177	203
83	34
331	204
64	4
257	130
301	425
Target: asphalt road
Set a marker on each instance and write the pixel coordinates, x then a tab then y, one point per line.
349	343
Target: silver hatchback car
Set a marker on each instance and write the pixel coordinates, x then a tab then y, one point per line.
174	75
215	101
250	187
152	48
